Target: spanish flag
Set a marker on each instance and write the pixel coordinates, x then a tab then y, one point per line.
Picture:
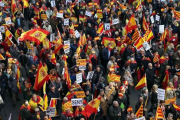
132	24
97	38
165	80
78	50
19	86
92	106
139	113
139	6
8	41
107	40
168	101
162	59
82	18
163	36
25	3
41	77
45	102
8	54
72	31
159	114
58	46
53	104
141	83
150	36
67	77
18	73
100	28
14	7
144	24
82	40
122	6
139	43
176	107
59	35
8	34
46	43
1	57
53	58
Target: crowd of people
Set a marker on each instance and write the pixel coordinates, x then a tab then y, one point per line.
104	40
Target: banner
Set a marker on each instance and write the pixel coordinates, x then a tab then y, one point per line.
106	26
146	46
77	102
77	34
87	13
81	63
2	29
59	15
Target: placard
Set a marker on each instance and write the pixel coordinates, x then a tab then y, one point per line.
1	4
59	15
76	102
8	20
141	118
50	111
77	34
87	13
161	94
146	46
66	48
66	21
115	21
161	28
79	77
107	26
90	75
53	4
80	94
67	42
152	19
43	16
52	37
2	29
157	17
82	67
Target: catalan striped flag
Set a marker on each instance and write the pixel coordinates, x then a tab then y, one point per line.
122	6
1	57
139	6
176	13
144	24
136	35
100	28
82	40
67	105
163	36
159	114
117	78
139	113
53	104
156	58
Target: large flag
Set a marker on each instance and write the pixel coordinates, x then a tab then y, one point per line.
14	8
132	24
1	57
122	6
139	113
144	24
165	80
107	40
25	3
101	28
141	83
136	35
150	36
72	31
176	107
46	43
92	106
159	114
163	36
35	35
139	43
41	77
58	46
53	104
139	6
171	100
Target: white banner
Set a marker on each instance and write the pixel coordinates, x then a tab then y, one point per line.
161	94
161	28
115	21
77	102
87	13
90	75
59	15
1	4
107	26
50	111
66	21
141	118
67	50
79	77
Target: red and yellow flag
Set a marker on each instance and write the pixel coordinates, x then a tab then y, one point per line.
136	35
53	104
163	36
92	106
139	43
1	57
132	24
72	31
19	86
45	101
58	46
176	13
150	36
139	113
59	35
66	106
176	107
18	73
14	8
82	40
162	59
53	58
159	114
41	77
139	6
25	3
66	75
141	83
171	100
100	28
8	37
8	54
107	40
165	80
97	38
122	6
46	43
144	24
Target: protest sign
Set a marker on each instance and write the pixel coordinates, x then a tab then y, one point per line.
67	42
87	13
66	21
152	19
146	46
53	4
81	63
157	17
161	94
141	118
79	77
50	111
77	34
90	75
52	37
59	15
115	21
2	29
107	26
161	28
77	102
80	94
8	20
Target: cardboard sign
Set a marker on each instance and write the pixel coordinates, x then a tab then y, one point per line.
52	37
152	19
90	75
77	34
79	77
146	46
115	21
8	20
53	4
50	111
43	16
66	21
161	94
2	29
77	102
59	15
107	26
161	28
157	17
80	94
87	13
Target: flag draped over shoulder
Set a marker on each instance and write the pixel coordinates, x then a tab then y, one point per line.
141	83
159	114
139	113
107	40
41	77
35	35
92	106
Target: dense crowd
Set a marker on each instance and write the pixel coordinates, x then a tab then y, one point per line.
94	51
